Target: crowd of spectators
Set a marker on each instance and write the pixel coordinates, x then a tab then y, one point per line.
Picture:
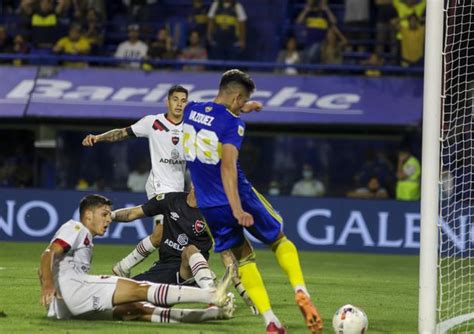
314	31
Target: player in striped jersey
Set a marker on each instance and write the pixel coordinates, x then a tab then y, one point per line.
68	290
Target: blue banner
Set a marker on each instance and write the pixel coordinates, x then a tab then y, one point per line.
382	226
115	93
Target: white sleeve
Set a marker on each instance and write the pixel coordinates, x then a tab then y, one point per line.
68	233
143	126
241	15
212	11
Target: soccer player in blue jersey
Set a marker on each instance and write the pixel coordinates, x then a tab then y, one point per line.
213	134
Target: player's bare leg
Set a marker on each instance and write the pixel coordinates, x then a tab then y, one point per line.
149	312
252	281
288	259
129	291
143	249
228	258
194	264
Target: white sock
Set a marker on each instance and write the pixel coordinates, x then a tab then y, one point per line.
174	315
141	251
302	288
269	317
201	272
166	295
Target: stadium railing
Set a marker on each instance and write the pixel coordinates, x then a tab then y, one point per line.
52	60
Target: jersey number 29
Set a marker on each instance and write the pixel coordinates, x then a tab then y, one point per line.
203	145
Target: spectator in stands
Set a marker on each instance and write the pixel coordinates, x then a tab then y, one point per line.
6	45
44	26
413	42
333	47
162	47
194	51
140	10
133	48
309	185
373	189
317	18
74	44
274	188
20	46
406	8
385	34
408	176
137	178
226	29
356	21
94	30
373	63
198	19
289	56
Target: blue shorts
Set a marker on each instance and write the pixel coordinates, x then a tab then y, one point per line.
227	232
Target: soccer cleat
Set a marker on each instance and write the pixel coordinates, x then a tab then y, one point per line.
310	313
221	289
119	271
228	309
272	328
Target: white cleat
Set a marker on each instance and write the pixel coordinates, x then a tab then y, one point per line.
228	309
119	271
220	294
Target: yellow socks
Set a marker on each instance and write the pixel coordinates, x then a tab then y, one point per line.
253	283
287	256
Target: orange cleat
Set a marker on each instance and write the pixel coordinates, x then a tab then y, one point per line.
314	322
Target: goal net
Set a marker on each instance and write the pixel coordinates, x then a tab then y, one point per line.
455	309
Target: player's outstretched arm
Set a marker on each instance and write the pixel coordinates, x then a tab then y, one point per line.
229	180
127	214
251	106
110	136
45	273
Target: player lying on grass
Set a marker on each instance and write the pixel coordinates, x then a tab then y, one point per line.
69	291
183	241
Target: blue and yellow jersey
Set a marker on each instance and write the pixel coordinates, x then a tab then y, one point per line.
206	127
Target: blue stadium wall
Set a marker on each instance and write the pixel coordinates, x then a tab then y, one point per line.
381	226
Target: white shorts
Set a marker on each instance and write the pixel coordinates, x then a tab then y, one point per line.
88	295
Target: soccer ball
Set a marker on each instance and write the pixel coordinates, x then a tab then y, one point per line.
350	320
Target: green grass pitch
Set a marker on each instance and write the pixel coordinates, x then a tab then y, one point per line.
385	286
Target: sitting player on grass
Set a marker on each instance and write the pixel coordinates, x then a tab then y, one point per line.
67	290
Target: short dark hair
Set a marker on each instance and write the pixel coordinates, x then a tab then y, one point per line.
177	89
92	201
237	77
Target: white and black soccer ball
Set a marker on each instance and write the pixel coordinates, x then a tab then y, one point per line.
350	319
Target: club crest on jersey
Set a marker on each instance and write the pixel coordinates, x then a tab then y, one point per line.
182	239
208	109
159	197
175	140
199	227
240	130
86	241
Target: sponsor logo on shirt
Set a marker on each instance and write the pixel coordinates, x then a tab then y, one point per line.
159	197
174	245
174	216
183	239
175	158
208	109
